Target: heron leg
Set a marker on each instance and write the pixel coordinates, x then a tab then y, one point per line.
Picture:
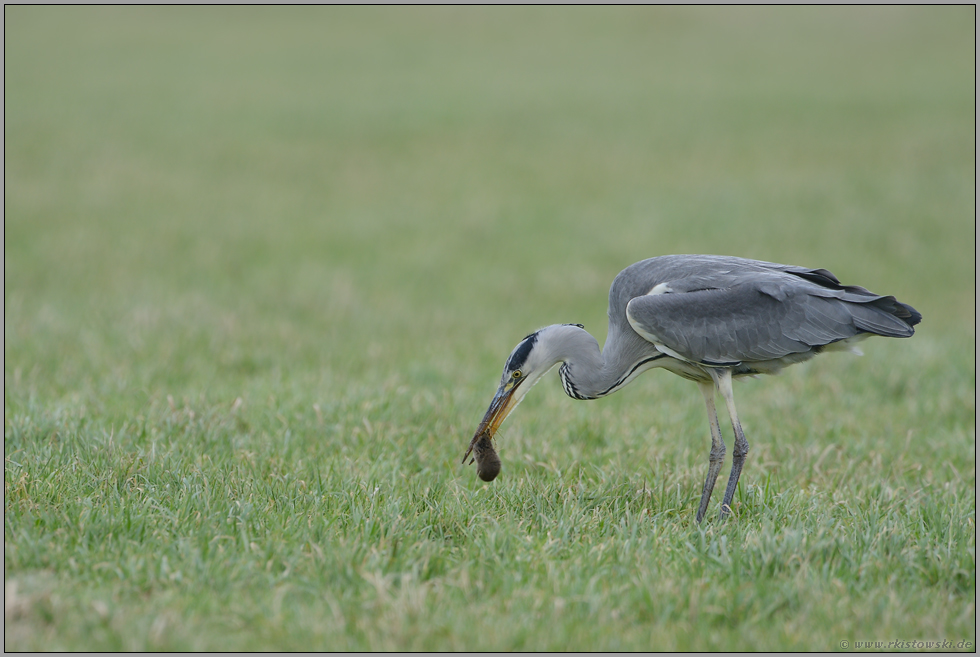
723	379
717	454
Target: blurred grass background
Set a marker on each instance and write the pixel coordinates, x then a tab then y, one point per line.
312	234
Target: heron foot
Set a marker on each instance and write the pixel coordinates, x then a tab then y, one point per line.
717	455
738	459
714	468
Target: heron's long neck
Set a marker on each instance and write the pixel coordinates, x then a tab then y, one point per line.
588	373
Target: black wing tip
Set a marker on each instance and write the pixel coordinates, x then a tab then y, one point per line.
887	317
913	317
902	311
889	304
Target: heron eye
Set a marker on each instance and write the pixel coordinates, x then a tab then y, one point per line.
517	374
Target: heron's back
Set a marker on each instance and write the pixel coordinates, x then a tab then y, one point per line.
751	315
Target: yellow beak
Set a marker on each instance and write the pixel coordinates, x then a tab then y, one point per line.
501	406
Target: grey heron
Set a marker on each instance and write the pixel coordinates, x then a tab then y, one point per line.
708	319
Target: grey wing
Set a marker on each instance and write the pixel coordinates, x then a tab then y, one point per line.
764	318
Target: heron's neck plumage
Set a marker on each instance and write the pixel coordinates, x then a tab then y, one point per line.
587	372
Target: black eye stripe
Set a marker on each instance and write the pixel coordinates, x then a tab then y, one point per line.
519	357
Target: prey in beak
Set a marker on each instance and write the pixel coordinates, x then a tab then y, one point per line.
487	461
523	368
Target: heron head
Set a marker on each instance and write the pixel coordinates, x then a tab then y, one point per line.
531	359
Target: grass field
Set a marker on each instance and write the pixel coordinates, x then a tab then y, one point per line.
262	268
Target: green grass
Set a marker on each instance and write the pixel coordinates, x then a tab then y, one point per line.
262	268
